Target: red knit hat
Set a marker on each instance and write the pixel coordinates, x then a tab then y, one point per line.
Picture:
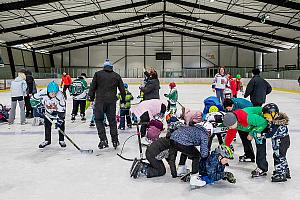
172	85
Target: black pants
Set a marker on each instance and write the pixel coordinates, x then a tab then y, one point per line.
48	126
81	104
248	149
109	109
257	104
190	152
220	139
124	113
29	110
144	120
280	147
156	167
65	90
261	156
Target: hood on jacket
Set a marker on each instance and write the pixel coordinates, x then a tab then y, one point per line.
282	119
18	79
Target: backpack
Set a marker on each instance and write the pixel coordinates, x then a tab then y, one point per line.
76	88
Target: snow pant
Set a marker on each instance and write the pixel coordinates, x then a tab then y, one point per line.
248	149
29	110
65	88
220	95
280	147
190	152
156	167
48	126
125	113
220	139
12	113
257	104
144	120
102	108
76	105
261	156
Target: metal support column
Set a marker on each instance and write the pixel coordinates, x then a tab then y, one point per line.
262	62
23	59
126	61
200	52
144	51
254	59
36	68
62	60
298	63
51	61
219	55
69	59
11	62
181	46
88	56
107	50
277	58
237	56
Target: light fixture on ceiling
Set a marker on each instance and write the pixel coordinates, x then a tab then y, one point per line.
108	28
51	32
149	28
211	1
246	28
192	30
146	18
151	36
133	43
94	18
264	17
199	20
22	21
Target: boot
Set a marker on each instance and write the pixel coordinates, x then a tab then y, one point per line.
45	143
103	144
196	181
182	170
278	178
92	124
244	158
73	118
62	144
288	174
116	143
258	172
83	117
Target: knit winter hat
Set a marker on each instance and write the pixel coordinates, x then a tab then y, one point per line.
229	119
107	64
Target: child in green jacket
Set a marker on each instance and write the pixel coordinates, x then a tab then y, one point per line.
173	97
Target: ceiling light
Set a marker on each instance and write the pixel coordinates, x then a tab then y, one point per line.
246	28
22	21
146	17
192	30
211	0
199	20
51	32
133	43
151	36
94	18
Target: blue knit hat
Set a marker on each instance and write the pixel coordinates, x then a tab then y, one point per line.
107	64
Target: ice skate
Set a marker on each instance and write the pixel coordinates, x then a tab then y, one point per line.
196	182
258	173
43	144
279	178
103	144
92	125
182	170
186	177
115	143
244	158
62	144
73	118
83	119
139	169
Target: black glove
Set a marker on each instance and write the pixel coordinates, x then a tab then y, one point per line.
59	123
229	177
122	101
166	95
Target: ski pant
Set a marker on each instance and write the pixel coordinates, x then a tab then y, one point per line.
29	110
220	139
190	152
12	113
81	104
125	113
248	149
220	95
65	90
156	167
48	126
144	120
102	108
261	156
280	147
257	104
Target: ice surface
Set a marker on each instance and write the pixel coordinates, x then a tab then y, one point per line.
29	173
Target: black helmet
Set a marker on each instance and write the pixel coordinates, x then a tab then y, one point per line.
271	109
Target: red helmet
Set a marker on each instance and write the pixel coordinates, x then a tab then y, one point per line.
172	85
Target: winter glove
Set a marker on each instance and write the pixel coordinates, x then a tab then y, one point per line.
166	95
228	176
207	180
59	123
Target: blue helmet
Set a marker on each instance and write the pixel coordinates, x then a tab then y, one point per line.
107	64
52	87
125	85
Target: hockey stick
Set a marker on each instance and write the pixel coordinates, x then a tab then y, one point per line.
88	151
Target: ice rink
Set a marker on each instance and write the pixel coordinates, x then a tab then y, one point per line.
53	173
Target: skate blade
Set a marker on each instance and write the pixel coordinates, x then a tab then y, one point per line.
259	176
88	151
194	187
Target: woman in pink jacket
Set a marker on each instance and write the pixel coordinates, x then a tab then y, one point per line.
147	110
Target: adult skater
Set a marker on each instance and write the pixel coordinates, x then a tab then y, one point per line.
257	88
249	120
220	83
235	104
55	110
147	110
104	88
152	86
18	91
31	89
66	81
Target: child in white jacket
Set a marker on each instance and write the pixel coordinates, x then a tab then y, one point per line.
18	91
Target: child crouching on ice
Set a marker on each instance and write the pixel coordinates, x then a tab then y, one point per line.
55	109
212	169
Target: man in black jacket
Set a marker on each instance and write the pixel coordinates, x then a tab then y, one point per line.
104	88
31	89
258	88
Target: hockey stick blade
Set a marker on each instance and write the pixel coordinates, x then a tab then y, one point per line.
86	151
